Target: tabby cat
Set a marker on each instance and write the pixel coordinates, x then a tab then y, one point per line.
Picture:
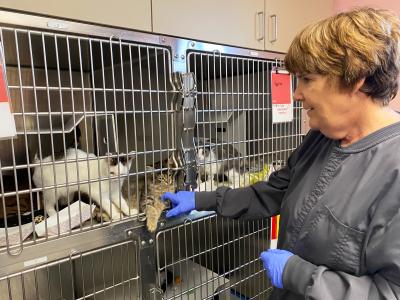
150	199
143	193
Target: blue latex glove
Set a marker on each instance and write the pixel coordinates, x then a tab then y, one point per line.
274	261
182	202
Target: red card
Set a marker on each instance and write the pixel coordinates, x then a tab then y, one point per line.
274	228
3	87
280	88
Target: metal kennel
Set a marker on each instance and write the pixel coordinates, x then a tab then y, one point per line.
156	100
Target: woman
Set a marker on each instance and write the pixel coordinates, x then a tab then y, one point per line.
339	194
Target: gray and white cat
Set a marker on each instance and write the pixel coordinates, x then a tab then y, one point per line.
104	174
220	162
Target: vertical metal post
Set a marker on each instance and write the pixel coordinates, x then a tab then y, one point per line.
148	268
185	103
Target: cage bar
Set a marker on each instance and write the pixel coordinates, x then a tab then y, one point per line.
86	99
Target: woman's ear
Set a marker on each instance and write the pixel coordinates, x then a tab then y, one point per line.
357	87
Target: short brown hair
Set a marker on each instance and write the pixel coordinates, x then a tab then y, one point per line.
363	43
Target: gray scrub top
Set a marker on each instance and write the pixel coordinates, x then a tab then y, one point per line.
340	216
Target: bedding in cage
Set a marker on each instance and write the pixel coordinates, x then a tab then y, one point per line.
94	135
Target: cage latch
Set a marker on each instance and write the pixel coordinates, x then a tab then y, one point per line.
185	105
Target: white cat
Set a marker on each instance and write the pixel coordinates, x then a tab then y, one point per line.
104	174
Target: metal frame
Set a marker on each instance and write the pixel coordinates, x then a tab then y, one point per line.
112	42
132	229
178	46
80	275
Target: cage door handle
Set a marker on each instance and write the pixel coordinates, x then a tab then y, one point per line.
260	25
274	25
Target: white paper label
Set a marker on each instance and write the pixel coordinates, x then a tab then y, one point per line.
7	122
282	113
281	97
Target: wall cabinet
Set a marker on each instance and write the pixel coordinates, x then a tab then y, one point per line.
135	14
258	24
233	22
285	18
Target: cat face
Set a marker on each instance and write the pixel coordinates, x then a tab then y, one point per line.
119	165
203	154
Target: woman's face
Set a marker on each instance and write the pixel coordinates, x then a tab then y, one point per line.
330	110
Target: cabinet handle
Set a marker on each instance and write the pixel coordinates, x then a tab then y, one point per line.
274	25
260	25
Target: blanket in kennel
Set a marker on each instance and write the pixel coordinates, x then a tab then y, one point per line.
79	212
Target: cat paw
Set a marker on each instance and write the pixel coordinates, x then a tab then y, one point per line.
123	206
100	216
159	206
126	211
103	216
151	226
116	215
50	211
133	212
153	215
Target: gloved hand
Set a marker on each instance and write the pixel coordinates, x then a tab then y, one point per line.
274	261
182	202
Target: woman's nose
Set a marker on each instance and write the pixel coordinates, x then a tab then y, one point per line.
297	95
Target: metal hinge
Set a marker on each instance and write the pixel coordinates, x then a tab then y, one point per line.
185	106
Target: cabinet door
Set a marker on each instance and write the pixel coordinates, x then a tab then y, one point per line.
285	18
134	14
232	22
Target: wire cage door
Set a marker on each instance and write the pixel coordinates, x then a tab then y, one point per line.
111	272
237	144
95	148
94	121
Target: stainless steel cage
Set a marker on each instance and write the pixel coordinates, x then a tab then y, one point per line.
70	91
234	117
213	258
108	273
158	102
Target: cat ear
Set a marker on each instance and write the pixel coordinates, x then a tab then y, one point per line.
131	156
